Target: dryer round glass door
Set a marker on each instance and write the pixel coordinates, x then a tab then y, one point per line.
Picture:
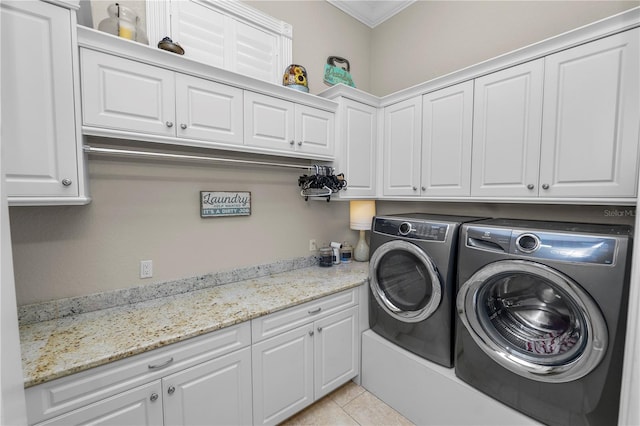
404	281
533	320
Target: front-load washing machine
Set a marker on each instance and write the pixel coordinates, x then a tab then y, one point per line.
542	315
412	280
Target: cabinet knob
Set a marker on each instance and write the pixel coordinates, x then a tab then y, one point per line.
169	124
415	188
319	329
424	188
545	186
291	142
299	143
154	397
171	390
311	333
530	186
66	182
183	126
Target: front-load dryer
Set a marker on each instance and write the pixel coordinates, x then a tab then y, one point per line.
412	280
542	315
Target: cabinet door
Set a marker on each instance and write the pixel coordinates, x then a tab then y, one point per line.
336	348
447	120
282	375
357	152
268	122
126	95
402	143
314	130
506	132
208	111
216	392
39	136
138	406
591	119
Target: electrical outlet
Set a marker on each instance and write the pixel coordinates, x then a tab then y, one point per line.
146	268
313	246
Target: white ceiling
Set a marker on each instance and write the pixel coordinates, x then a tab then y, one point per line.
371	12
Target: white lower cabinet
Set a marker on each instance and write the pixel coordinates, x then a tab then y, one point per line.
203	380
298	355
216	392
283	370
139	406
301	365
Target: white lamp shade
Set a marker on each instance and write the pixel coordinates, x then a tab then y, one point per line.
361	212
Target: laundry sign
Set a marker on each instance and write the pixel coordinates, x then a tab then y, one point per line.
223	203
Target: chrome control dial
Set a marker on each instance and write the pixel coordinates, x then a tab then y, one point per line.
404	228
528	243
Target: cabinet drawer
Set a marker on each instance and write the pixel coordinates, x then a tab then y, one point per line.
68	393
288	319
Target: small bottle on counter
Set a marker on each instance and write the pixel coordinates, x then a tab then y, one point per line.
346	252
325	257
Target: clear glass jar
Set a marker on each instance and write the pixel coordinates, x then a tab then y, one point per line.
123	22
326	257
346	253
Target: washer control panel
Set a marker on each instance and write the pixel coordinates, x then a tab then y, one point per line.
418	230
544	245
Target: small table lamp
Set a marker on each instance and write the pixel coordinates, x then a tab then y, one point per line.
361	214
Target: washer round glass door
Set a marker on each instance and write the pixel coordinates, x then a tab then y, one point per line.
533	320
404	281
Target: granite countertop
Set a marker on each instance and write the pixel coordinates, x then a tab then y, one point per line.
60	347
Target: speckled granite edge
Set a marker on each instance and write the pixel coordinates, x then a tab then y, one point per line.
61	308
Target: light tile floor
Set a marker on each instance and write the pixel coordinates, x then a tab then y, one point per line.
350	405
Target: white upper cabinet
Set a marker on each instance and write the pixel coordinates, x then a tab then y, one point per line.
228	35
122	94
506	131
447	119
357	150
402	144
279	125
591	120
42	152
129	96
208	110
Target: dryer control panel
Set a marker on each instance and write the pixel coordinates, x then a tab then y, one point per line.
418	230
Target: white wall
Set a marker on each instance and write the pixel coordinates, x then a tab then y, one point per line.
432	38
150	210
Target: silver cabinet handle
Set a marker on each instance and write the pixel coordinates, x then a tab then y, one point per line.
183	126
530	186
319	329
154	397
169	124
171	390
315	311
66	182
311	333
545	186
164	364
